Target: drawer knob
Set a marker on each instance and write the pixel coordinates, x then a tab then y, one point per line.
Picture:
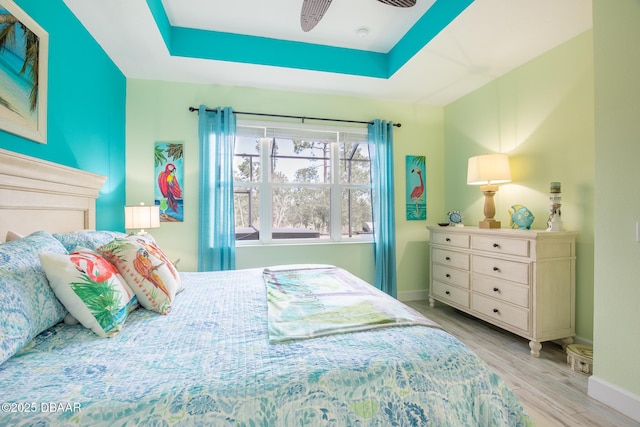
496	290
495	245
447	292
447	275
496	269
495	310
448	258
447	239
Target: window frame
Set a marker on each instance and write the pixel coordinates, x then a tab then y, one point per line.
266	185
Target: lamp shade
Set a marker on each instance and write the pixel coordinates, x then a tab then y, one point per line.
141	216
488	169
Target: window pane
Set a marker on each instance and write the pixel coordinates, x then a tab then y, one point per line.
300	212
300	161
247	212
246	160
356	212
303	174
355	163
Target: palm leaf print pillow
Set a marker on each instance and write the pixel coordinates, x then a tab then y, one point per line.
91	289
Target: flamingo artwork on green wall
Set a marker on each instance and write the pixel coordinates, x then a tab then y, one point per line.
416	204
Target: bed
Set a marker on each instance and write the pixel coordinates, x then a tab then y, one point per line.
216	358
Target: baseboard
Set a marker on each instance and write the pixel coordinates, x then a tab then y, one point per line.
618	398
413	295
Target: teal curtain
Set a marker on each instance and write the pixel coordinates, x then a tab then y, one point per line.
216	225
381	139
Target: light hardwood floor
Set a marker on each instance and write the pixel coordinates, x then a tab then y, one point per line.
545	384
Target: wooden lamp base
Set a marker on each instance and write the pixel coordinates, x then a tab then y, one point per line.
489	207
489	223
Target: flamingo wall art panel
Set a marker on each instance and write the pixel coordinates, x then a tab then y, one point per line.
416	189
24	49
169	175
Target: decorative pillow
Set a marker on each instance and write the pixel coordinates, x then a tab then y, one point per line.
11	236
146	269
28	305
70	320
148	239
91	289
90	239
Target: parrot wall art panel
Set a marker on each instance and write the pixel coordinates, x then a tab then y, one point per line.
169	176
416	188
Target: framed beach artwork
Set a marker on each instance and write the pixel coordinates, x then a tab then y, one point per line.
169	175
416	205
24	47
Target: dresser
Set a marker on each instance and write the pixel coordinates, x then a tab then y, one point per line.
520	280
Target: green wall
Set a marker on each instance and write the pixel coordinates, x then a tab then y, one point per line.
541	115
546	115
158	111
616	35
86	108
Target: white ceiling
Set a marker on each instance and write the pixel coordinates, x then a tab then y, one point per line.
488	39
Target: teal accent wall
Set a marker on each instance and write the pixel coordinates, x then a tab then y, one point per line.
85	111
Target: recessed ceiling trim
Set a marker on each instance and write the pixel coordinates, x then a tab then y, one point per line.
222	46
162	20
188	42
435	19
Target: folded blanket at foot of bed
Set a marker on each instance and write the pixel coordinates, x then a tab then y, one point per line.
310	301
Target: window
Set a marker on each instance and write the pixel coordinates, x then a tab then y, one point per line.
316	183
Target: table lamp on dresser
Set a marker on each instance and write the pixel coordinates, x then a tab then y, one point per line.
487	171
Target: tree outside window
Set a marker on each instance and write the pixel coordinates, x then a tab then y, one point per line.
313	188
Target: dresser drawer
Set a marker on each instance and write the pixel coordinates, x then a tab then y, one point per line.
501	268
450	275
501	245
450	294
501	311
455	240
451	258
502	290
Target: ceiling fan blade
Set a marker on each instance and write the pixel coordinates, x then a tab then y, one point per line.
312	13
399	3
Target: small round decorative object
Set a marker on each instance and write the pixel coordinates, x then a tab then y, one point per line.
455	218
521	217
443	224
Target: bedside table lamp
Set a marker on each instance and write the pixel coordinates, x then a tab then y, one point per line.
141	216
487	171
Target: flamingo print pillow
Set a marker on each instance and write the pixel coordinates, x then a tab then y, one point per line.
147	270
91	289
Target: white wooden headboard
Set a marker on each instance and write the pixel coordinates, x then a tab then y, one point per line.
39	195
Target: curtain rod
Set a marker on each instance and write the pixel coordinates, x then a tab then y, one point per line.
303	118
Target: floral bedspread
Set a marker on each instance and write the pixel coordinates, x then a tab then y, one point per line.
209	363
310	302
